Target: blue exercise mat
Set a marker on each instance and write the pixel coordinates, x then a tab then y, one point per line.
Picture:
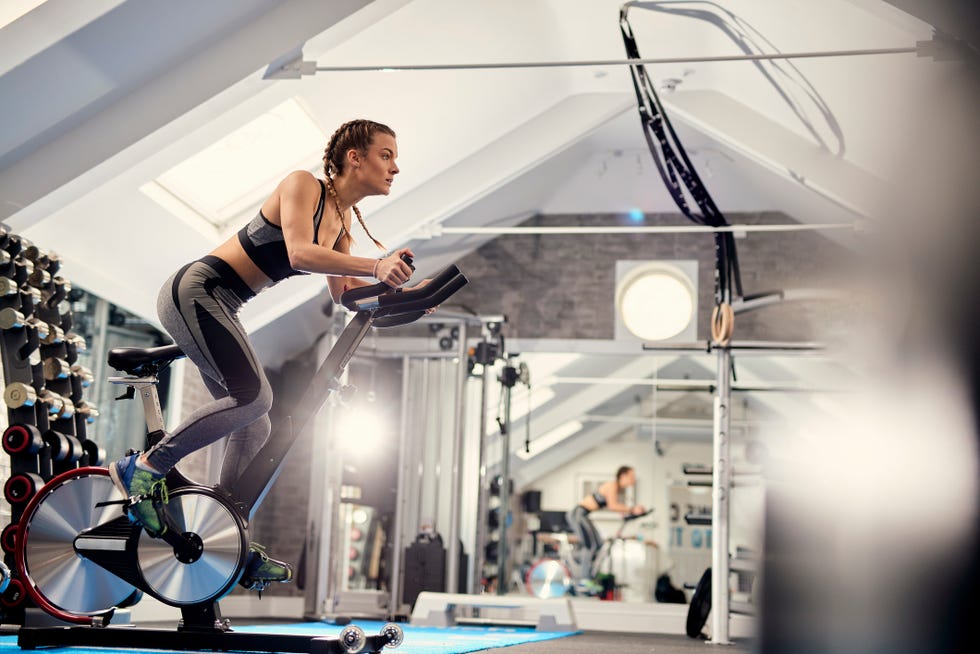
418	640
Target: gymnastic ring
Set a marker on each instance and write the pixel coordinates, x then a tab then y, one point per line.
722	323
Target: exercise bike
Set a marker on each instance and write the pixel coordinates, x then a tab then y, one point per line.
551	576
80	558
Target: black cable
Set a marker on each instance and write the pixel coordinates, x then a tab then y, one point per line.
677	171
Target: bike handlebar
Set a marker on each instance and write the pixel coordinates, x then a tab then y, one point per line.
635	516
389	302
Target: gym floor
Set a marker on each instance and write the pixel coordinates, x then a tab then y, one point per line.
592	642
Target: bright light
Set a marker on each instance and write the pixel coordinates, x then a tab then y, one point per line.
550	439
233	174
656	302
636	215
361	430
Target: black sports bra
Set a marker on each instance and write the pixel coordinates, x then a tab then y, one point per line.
264	244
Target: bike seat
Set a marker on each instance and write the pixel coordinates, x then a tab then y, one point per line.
143	361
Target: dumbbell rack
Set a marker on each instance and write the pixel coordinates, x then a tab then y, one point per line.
43	389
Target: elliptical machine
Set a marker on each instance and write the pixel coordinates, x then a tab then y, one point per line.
80	558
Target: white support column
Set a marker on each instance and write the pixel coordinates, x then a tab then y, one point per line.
398	542
721	485
459	427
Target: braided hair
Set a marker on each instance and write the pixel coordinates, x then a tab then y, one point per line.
357	135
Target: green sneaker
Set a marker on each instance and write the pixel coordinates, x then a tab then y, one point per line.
262	570
147	493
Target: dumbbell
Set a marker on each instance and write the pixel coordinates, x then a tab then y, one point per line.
56	368
53	401
5	258
54	336
40	277
26	264
8	287
64	447
19	394
77	341
11	318
54	262
96	454
30	251
22	438
84	374
21	487
12	244
89	411
31	294
63	283
67	409
14	595
8	538
41	327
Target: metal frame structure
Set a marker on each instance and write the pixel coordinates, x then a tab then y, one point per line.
721	477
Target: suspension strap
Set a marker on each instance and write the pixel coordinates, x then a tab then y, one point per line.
678	173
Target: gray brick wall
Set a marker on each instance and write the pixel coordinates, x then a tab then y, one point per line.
563	286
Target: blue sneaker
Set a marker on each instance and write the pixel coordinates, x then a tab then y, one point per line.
147	493
262	570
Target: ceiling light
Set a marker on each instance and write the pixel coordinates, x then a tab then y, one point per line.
656	301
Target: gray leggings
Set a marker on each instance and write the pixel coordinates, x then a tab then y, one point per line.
199	307
589	542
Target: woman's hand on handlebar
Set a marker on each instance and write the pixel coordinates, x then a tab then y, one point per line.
392	270
638	510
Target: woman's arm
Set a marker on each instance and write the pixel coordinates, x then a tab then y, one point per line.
298	195
609	491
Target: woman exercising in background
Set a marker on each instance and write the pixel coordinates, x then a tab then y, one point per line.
607	496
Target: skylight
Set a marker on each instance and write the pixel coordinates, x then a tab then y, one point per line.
232	176
11	10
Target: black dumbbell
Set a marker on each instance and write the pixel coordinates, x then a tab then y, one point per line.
14	595
8	538
22	438
61	447
96	453
21	487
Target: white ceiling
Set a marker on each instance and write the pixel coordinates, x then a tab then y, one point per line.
101	97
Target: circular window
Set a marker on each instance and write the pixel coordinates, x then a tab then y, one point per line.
655	302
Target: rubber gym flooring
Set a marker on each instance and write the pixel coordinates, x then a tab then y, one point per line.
593	642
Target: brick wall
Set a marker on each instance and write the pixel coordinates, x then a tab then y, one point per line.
563	286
